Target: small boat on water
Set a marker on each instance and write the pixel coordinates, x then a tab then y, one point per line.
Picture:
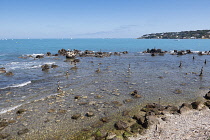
70	54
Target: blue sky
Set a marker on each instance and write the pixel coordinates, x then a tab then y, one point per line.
100	18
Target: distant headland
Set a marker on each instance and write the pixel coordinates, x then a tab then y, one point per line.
198	34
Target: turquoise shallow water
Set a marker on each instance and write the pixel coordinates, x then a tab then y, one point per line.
30	82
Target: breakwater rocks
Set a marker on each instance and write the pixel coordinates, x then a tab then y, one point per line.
154	52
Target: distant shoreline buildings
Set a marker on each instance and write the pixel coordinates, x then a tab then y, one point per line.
198	34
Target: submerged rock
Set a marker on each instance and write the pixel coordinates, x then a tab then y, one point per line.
9	73
76	116
20	111
23	131
4	135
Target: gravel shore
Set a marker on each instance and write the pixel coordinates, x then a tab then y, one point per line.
192	125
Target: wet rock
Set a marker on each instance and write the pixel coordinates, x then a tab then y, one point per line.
125	113
139	118
40	56
116	93
62	111
207	103
51	110
153	109
178	91
127	100
121	125
4	135
45	67
116	103
90	114
184	109
54	66
150	120
111	135
9	73
83	103
48	54
20	111
100	134
97	124
98	97
3	124
127	135
207	96
187	105
77	97
104	119
23	131
118	138
172	109
137	96
2	68
197	105
2	71
76	116
137	128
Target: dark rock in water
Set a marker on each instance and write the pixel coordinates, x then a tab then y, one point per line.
89	114
178	91
62	111
2	68
207	96
45	67
3	124
125	113
104	119
120	125
137	128
9	73
54	66
137	96
23	131
4	135
20	111
76	116
77	97
97	124
48	54
39	56
76	60
207	103
2	71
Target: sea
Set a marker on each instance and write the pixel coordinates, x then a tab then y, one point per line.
154	77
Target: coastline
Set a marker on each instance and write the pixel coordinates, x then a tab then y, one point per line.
37	120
